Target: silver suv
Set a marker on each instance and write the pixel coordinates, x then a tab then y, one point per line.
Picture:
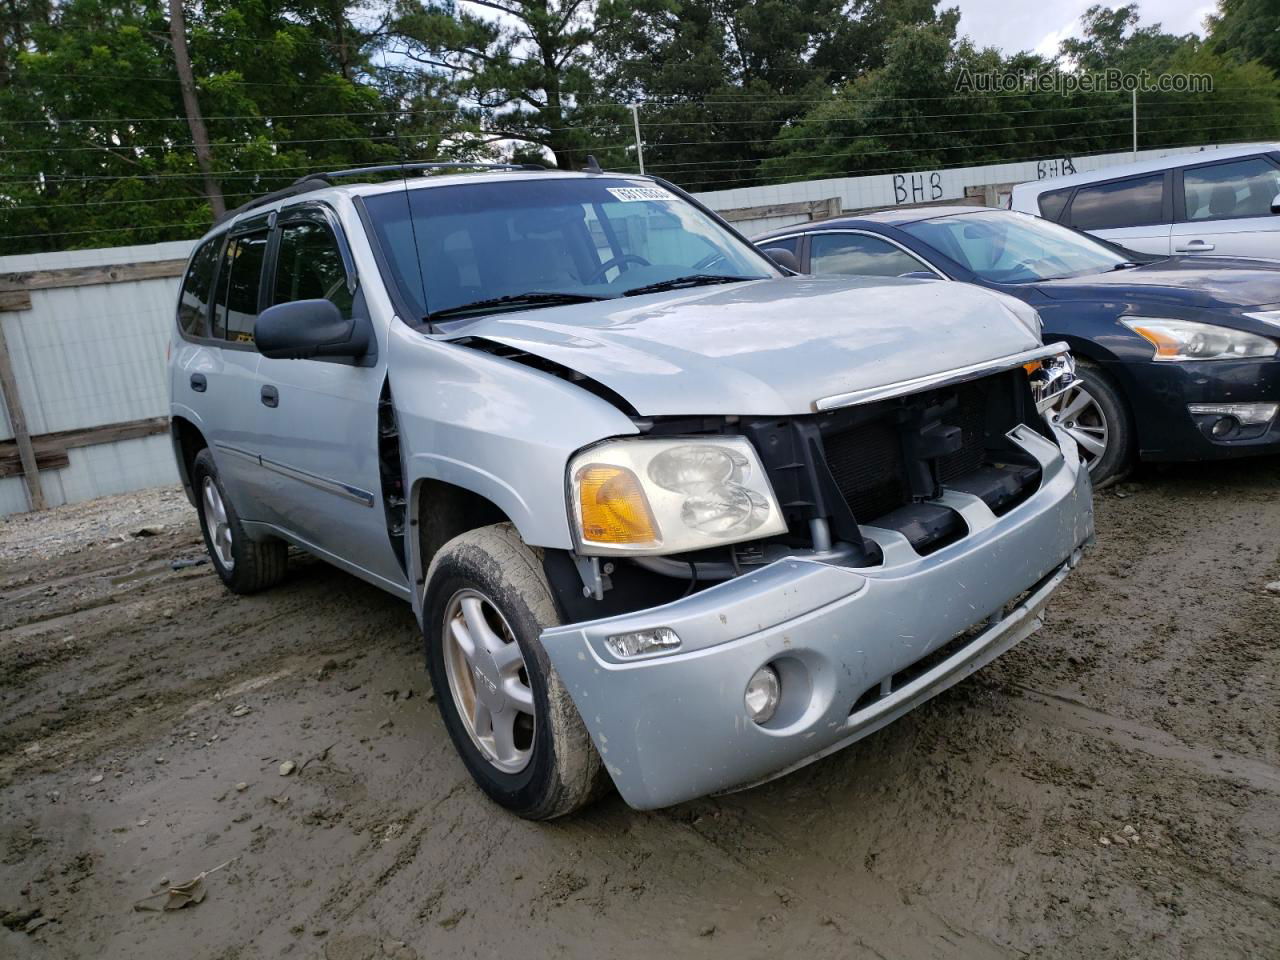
663	509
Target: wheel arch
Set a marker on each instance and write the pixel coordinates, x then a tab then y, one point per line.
187	442
438	511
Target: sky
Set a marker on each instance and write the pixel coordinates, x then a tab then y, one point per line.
1039	25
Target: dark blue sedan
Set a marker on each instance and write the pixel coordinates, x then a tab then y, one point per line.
1176	356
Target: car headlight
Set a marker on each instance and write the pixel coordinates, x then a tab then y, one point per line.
1187	340
643	496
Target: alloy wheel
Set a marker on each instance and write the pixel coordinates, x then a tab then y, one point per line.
215	517
488	680
1077	413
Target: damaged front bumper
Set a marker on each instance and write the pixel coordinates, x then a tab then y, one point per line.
855	648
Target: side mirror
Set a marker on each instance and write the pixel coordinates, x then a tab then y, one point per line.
919	275
1275	203
782	257
305	329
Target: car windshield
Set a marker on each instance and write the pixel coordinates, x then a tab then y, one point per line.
517	240
1008	247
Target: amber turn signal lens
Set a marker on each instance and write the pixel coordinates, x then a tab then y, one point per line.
613	507
1032	367
1167	347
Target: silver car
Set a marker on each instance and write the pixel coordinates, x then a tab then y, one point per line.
667	514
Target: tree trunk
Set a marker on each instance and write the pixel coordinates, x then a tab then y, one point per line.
199	137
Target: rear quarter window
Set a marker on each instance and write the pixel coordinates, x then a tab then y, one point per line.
197	288
1052	204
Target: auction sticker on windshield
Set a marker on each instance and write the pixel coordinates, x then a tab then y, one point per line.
632	194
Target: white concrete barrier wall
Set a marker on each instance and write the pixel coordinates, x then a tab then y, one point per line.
893	189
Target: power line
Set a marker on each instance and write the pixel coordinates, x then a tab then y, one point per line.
737	164
73	233
186	198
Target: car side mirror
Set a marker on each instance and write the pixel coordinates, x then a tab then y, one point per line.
1275	203
919	275
782	257
304	329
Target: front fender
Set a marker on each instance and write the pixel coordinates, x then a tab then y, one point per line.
495	427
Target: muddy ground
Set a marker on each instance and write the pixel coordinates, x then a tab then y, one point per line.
135	698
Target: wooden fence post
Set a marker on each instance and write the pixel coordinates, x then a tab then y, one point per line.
18	420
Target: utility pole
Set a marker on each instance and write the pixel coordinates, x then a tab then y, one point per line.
635	119
1135	123
199	137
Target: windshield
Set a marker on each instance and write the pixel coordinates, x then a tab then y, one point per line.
587	238
1008	247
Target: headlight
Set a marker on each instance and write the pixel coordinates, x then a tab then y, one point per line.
1186	340
669	496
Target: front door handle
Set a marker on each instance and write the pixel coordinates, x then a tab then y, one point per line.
270	396
198	383
1195	246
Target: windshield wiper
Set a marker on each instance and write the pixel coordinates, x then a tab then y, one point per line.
532	299
692	280
1127	265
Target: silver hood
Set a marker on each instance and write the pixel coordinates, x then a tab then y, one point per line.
768	347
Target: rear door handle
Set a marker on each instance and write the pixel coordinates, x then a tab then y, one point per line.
198	383
270	396
1195	246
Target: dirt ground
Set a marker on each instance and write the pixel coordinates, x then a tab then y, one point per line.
1110	788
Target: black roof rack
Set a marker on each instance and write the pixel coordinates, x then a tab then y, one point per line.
318	181
402	167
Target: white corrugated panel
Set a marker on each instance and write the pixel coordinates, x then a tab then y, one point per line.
90	356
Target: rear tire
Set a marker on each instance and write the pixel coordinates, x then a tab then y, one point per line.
245	566
1095	415
512	721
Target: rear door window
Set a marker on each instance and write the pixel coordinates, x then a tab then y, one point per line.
854	254
239	282
1224	191
197	288
1135	202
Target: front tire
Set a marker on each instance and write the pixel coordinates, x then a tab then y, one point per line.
1093	413
245	565
510	717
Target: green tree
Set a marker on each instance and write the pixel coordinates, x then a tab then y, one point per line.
1114	39
915	112
94	146
524	70
1243	105
720	79
1244	30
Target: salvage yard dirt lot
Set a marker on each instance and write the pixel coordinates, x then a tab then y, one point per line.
145	714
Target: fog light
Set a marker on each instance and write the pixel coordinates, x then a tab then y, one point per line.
762	693
1248	414
640	642
1225	427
